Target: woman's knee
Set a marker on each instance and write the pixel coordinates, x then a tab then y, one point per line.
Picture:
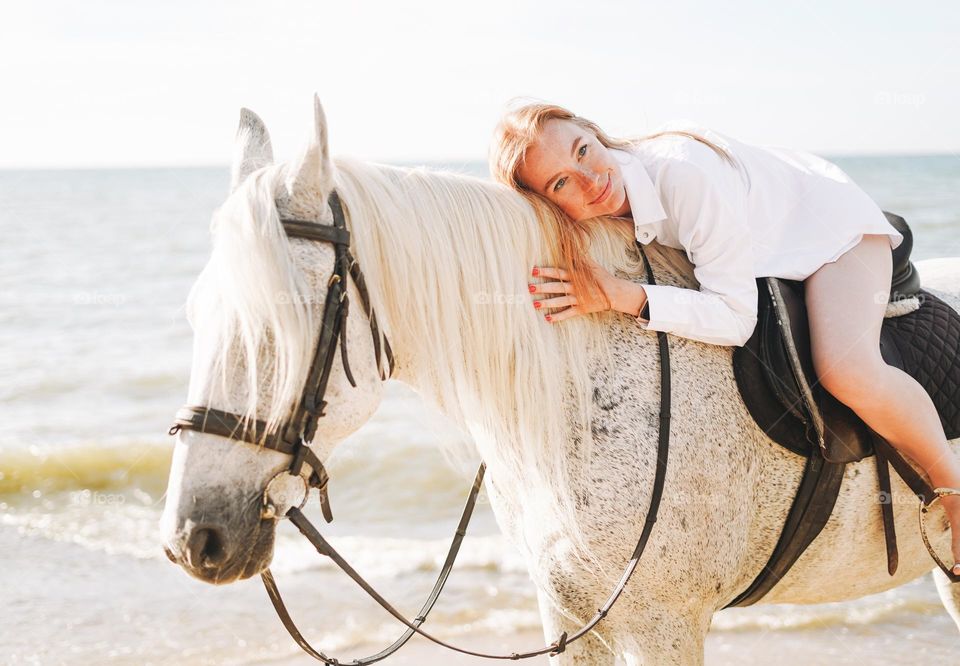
852	376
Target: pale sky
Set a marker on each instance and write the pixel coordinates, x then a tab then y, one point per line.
110	83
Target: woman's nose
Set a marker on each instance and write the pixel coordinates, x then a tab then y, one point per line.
588	176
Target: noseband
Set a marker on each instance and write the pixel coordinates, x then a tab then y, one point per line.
296	434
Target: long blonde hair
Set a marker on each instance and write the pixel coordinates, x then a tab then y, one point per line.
517	130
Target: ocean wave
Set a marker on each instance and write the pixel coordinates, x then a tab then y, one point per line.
91	466
890	606
129	530
380	557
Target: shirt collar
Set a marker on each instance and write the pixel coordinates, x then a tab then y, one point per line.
645	204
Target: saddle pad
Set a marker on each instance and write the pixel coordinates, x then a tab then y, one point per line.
926	344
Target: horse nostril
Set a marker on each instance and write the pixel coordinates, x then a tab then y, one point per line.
205	548
169	554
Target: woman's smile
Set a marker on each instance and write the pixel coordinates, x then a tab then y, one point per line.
603	195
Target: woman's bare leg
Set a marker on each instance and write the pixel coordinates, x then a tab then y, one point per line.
846	301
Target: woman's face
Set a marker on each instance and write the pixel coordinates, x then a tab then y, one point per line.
571	168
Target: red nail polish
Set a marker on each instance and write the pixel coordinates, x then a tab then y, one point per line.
536	271
547	317
536	304
532	287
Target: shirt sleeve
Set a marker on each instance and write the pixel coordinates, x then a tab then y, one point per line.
708	207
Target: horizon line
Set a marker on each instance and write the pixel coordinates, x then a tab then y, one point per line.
414	162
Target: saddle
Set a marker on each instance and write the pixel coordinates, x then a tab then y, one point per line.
776	378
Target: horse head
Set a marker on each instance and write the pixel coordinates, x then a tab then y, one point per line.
258	311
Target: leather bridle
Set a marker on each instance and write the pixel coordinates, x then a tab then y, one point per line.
295	436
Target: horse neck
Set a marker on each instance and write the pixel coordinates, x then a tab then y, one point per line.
447	261
440	263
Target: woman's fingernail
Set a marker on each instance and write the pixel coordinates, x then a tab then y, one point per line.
536	271
532	287
536	304
548	318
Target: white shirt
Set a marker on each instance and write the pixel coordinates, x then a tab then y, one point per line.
780	213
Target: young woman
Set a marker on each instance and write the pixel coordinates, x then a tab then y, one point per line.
740	212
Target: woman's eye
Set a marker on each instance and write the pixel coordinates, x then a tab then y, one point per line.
559	184
582	151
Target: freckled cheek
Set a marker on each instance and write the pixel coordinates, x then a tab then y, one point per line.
572	199
578	210
571	208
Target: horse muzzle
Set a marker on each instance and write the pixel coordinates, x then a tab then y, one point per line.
221	551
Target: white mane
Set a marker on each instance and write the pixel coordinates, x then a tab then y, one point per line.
252	301
447	260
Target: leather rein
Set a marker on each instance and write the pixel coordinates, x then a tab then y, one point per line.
295	436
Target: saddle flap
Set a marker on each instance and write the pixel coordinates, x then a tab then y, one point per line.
785	399
786	298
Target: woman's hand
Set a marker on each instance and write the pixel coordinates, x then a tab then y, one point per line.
625	296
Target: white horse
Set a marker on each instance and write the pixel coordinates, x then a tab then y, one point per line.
565	416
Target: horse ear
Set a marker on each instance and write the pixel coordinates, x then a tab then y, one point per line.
252	148
314	170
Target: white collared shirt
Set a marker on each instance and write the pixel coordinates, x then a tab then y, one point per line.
780	212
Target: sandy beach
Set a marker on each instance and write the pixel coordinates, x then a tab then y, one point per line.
105	608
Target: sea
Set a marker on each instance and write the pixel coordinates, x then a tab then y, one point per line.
95	350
